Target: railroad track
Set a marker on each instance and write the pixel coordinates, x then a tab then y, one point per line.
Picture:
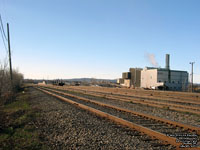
165	105
196	105
167	131
195	102
190	102
145	93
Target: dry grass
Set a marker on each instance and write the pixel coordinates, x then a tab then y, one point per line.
16	128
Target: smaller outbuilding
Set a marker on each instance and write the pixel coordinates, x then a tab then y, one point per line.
131	78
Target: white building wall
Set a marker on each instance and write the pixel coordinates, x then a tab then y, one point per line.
152	78
149	78
127	83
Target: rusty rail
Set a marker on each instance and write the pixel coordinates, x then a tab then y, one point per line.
133	92
175	99
187	127
163	103
143	97
177	107
152	133
180	108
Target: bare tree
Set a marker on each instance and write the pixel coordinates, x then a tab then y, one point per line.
6	90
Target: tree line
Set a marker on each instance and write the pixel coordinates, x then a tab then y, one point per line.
8	89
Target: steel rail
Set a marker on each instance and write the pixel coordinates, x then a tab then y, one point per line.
147	131
128	93
150	101
144	97
186	127
163	103
154	104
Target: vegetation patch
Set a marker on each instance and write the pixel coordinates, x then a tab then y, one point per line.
17	130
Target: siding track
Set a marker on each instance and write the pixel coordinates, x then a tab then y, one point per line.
155	127
183	96
182	107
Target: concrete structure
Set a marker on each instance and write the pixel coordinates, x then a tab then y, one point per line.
131	79
127	83
42	83
161	78
164	78
126	75
135	77
120	81
155	78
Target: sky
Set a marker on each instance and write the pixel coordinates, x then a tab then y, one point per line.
66	39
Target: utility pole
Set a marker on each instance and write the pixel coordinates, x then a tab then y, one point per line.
135	76
192	63
10	62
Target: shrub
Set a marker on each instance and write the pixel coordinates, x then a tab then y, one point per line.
6	90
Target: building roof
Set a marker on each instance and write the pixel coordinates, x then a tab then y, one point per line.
163	69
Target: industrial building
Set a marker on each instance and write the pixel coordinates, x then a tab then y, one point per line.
125	80
131	78
156	78
135	77
164	78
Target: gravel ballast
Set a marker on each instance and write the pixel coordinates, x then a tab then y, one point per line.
186	118
152	124
64	126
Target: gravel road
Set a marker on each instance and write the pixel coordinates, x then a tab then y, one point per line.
64	126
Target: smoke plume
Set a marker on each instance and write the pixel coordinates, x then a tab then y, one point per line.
151	59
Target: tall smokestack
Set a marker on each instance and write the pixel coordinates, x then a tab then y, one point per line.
167	62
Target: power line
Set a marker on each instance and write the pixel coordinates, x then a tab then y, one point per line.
4	34
4	43
196	73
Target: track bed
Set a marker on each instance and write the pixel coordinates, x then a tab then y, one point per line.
152	124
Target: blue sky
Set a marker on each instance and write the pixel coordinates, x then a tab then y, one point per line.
100	38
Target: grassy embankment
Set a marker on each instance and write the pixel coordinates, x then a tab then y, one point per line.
17	130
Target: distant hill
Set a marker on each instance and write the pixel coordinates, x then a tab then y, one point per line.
91	80
75	80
